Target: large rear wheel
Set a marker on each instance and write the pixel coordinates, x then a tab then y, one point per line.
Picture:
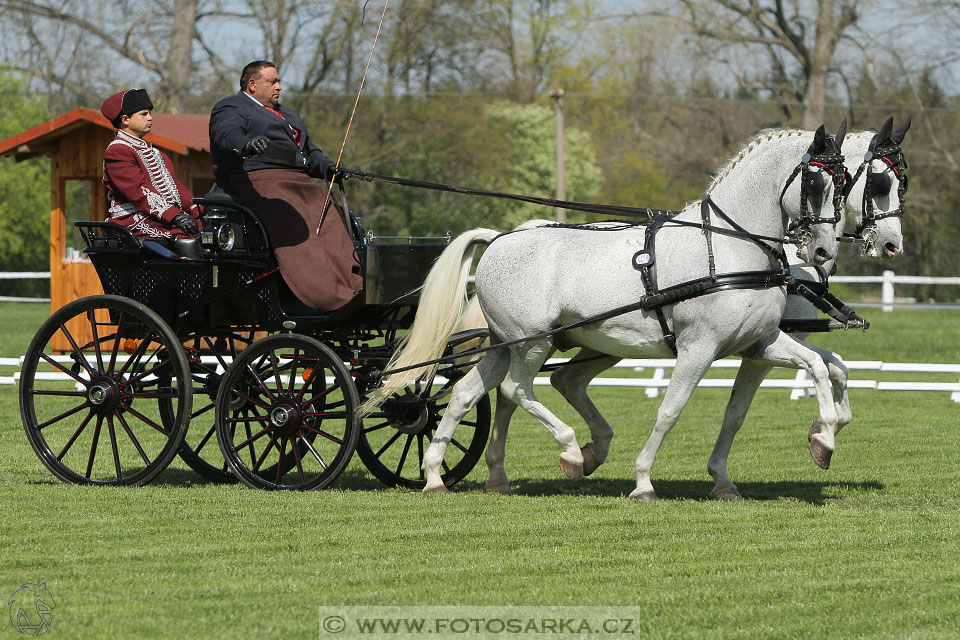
91	387
394	438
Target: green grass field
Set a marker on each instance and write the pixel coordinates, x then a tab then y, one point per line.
868	549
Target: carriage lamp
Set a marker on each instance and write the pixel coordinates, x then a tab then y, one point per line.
218	232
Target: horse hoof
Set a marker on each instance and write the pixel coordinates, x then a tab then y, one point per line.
573	469
498	487
643	496
814	430
590	462
436	489
726	494
820	453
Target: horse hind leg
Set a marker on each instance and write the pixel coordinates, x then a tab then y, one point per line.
466	393
518	387
571	381
496	448
749	377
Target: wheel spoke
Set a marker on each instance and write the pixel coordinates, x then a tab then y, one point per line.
261	384
275	365
420	446
75	435
200	412
133	438
457	444
144	418
91	317
80	358
113	444
252	439
65	414
325	434
63	369
270	445
293	371
204	440
389	443
116	345
134	357
314	452
403	456
283	448
296	456
93	447
376	427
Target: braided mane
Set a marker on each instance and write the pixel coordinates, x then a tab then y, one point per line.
762	137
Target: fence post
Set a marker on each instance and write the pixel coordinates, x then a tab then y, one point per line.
887	290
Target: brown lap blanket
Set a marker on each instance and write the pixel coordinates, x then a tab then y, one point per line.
322	270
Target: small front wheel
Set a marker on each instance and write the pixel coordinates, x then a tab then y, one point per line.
285	414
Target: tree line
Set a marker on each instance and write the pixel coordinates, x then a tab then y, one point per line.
657	95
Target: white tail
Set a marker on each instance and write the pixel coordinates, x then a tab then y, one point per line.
442	301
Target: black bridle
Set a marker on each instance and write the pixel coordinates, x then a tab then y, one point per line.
812	181
879	182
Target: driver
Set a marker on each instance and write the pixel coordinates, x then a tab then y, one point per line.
262	153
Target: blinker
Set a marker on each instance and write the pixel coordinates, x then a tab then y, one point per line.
879	183
814	181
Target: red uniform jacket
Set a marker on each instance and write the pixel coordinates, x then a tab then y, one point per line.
144	194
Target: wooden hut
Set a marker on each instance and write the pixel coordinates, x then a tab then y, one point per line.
75	143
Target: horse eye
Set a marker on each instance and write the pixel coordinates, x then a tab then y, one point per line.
879	183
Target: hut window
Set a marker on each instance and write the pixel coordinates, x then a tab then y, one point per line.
78	206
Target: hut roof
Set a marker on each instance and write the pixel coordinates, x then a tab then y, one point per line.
174	133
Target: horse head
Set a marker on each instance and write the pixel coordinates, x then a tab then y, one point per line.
875	195
812	204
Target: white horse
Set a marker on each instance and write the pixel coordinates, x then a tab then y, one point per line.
875	218
533	282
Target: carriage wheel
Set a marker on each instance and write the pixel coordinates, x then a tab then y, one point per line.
209	359
285	414
394	438
92	415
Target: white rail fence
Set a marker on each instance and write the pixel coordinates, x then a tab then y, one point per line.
800	385
887	281
24	275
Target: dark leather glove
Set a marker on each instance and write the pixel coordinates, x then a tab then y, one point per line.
254	146
187	223
333	173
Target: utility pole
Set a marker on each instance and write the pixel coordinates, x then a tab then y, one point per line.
557	94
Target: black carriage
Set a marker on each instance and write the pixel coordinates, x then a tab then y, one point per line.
218	343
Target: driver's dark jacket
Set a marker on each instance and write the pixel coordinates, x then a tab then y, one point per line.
237	119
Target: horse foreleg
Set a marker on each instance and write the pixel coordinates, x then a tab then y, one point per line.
748	380
571	381
783	350
687	374
839	375
495	451
466	393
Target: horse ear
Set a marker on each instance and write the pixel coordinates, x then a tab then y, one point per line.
897	136
882	136
841	132
819	140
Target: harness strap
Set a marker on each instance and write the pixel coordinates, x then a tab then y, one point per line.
705	215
